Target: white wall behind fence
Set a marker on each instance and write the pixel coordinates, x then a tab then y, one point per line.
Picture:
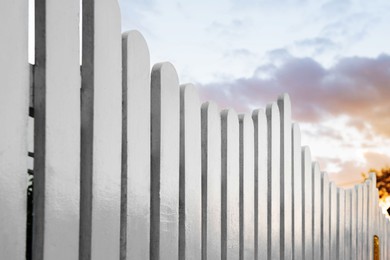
129	164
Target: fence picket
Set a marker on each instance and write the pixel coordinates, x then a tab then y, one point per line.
211	181
364	220
247	188
284	105
325	217
359	221
14	101
348	228
354	234
261	180
273	125
297	193
333	220
135	205
57	131
307	203
190	202
340	223
165	109
316	210
230	185
101	116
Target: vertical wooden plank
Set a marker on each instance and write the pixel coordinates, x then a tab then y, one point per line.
14	101
247	188
307	203
297	193
273	123
347	225
230	185
333	220
135	203
211	181
359	221
165	108
316	210
365	221
101	117
325	217
286	182
354	223
340	223
371	206
261	182
190	202
57	130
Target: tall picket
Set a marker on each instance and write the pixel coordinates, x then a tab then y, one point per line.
190	197
273	131
230	185
101	123
211	181
325	217
354	234
135	203
165	126
307	203
316	210
247	188
297	194
261	182
348	227
286	183
14	101
340	223
57	134
333	220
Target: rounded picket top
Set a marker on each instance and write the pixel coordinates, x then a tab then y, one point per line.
230	115
306	154
259	116
325	177
316	168
163	72
210	107
137	52
245	119
296	131
189	93
284	104
272	110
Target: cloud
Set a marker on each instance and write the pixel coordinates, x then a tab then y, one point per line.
355	86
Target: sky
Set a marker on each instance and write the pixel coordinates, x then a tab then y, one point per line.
331	57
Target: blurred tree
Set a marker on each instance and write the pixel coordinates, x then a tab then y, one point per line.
382	181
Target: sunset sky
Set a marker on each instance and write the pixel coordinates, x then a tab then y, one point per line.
331	57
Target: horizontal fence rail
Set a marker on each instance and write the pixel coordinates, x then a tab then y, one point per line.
126	163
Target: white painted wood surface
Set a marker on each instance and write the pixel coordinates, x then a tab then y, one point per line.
297	246
101	136
316	192
165	162
261	173
348	227
325	217
135	216
286	193
230	185
273	131
333	220
354	212
57	131
190	201
340	223
14	100
247	188
211	181
307	203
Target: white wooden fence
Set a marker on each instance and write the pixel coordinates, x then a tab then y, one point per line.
138	168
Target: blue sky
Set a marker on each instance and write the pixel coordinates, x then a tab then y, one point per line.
332	57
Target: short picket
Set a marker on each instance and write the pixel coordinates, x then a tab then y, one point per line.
307	194
333	220
316	210
325	217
